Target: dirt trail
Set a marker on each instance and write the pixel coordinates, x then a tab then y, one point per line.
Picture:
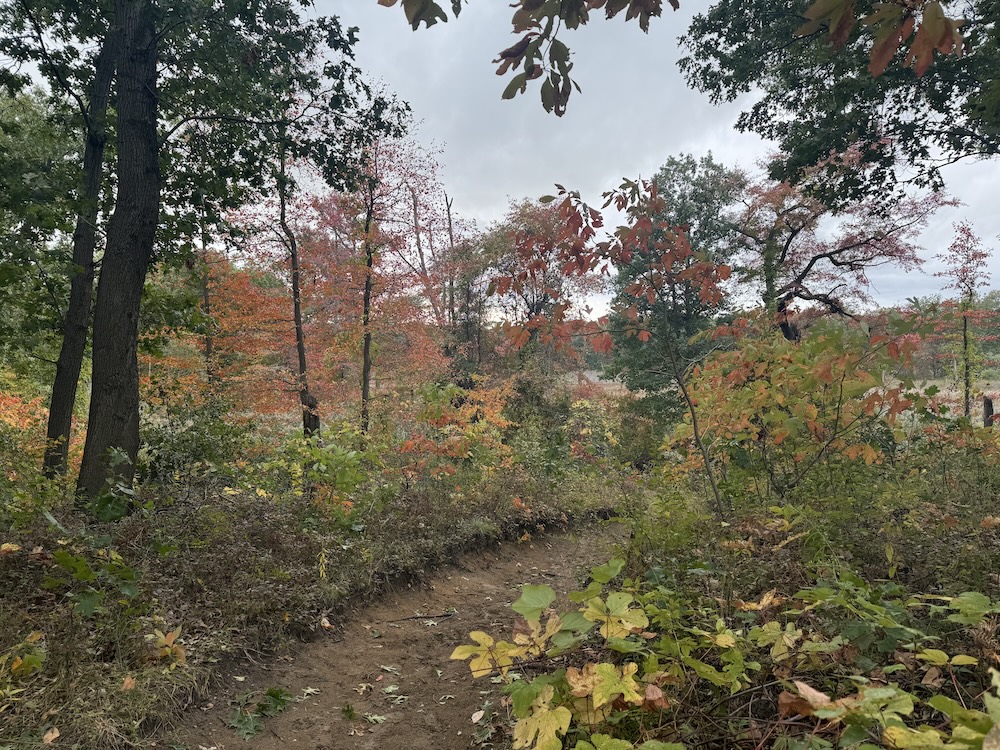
390	659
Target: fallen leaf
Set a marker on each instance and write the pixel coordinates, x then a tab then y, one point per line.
790	704
128	683
478	716
933	678
815	698
653	699
50	736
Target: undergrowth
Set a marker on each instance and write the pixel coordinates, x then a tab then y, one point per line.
237	540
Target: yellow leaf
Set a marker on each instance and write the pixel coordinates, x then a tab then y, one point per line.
723	640
544	723
933	656
770	599
488	655
529	634
617	619
9	548
963	660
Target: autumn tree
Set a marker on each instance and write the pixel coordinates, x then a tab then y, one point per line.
702	196
792	247
399	220
967	272
526	250
173	70
579	251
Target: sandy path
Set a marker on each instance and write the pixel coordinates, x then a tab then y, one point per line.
398	669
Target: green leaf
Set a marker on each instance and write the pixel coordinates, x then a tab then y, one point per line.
88	602
517	83
523	693
605	573
246	723
972	607
274	702
593	590
933	656
853	734
533	601
110	507
129	589
606	742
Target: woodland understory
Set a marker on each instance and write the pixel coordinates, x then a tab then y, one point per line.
255	367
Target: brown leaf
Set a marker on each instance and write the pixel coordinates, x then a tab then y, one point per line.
50	736
654	699
790	704
841	26
128	683
816	698
885	49
933	678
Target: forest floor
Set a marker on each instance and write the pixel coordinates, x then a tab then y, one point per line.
382	677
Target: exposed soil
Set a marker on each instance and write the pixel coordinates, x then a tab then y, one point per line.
389	661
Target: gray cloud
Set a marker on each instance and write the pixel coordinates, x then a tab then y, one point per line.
634	112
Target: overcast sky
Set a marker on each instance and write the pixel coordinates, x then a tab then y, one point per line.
635	112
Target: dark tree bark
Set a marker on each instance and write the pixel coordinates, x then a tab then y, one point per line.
966	364
310	410
366	316
77	322
114	404
206	306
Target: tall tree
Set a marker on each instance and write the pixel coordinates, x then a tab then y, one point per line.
83	78
967	272
793	247
817	99
174	73
113	425
702	196
38	158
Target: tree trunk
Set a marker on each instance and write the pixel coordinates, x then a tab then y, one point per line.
366	316
114	405
987	411
310	412
422	269
450	289
77	322
967	365
206	307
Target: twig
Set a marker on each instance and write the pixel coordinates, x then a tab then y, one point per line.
442	616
